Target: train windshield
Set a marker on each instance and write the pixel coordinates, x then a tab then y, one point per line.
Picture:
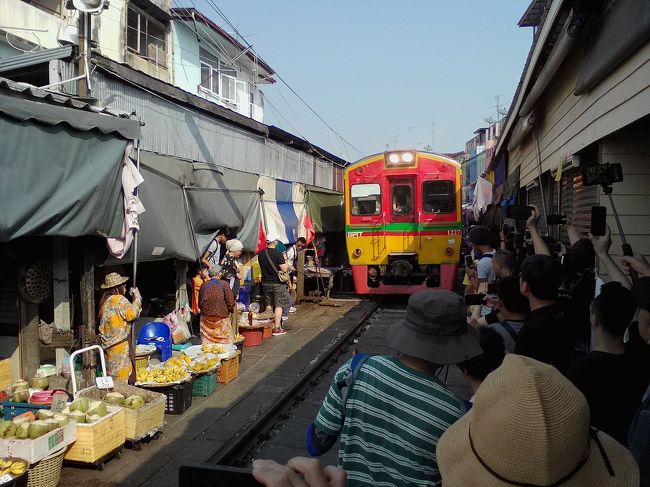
438	197
402	200
366	199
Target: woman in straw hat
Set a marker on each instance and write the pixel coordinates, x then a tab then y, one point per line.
115	316
530	427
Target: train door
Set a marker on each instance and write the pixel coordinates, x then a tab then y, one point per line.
402	225
437	217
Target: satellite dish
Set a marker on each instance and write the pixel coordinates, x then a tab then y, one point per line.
89	6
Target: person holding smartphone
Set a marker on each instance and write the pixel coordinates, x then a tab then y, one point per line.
483	252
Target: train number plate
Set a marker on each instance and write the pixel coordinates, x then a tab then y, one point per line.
354	234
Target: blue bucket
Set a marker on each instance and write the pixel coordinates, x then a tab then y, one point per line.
245	295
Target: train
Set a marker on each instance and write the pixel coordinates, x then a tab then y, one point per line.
403	226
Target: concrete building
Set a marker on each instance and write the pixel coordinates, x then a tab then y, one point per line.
584	99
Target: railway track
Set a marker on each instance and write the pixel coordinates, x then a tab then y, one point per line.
300	400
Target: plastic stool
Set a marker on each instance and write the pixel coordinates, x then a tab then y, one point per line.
158	334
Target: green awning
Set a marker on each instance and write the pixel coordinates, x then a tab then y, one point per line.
326	210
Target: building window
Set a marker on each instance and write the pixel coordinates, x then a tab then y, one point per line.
146	37
366	199
438	197
218	78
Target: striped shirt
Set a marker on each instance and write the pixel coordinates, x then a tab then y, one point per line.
394	418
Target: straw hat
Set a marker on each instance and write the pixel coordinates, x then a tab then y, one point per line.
435	329
530	426
112	280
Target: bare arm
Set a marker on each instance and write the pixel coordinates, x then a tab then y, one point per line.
572	231
601	247
538	242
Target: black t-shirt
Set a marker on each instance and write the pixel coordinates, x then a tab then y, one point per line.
613	388
639	352
269	275
546	336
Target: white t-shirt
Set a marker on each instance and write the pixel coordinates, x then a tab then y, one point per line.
215	251
484	268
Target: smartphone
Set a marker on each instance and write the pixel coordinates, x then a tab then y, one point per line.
598	220
519	212
556	219
472	299
469	262
202	475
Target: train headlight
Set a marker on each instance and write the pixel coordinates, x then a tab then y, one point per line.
407	157
449	251
400	158
356	253
393	158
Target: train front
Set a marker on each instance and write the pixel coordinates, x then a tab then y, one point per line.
403	222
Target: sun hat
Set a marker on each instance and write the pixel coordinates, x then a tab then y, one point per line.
234	245
435	329
113	280
641	292
479	235
529	426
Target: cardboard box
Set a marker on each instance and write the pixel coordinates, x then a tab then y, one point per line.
35	450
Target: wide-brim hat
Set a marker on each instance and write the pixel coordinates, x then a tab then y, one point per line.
113	280
435	329
530	426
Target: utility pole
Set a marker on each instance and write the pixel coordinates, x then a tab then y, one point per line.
83	85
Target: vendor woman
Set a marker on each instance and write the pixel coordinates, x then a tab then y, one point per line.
116	314
216	302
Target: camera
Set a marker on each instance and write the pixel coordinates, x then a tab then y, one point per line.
556	219
603	174
519	212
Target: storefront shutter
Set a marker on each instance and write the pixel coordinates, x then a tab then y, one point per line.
576	201
534	198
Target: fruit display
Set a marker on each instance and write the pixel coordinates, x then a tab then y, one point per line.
12	466
134	402
82	411
172	371
214	348
203	364
26	426
239	338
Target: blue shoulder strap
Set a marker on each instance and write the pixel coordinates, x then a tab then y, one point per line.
345	386
511	331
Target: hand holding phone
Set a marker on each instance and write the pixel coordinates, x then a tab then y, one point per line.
469	262
598	220
474	299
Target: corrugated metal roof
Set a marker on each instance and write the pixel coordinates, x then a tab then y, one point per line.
23	101
36	57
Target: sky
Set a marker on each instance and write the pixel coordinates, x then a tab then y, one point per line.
383	74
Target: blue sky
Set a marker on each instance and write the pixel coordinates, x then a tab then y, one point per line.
381	72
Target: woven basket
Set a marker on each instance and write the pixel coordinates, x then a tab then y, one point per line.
47	472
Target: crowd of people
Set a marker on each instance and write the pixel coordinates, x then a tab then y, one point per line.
556	356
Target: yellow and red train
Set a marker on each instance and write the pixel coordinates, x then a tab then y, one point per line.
403	222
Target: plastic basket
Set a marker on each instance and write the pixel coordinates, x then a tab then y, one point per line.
229	369
240	347
47	472
205	384
268	332
12	409
252	335
179	398
141	362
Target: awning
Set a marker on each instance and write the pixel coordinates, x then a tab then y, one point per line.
36	57
284	206
57	181
326	210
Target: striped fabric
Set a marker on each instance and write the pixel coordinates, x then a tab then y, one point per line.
394	418
284	208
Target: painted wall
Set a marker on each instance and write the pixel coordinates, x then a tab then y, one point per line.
18	14
185	58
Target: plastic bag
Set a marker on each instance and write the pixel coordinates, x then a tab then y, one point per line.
181	333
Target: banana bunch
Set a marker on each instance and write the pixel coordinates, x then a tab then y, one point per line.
201	366
216	348
13	467
172	371
239	338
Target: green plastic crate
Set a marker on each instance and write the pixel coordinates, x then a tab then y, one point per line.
205	384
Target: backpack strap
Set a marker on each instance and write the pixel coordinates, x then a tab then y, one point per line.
507	327
345	386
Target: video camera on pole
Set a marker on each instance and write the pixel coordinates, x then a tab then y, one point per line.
606	175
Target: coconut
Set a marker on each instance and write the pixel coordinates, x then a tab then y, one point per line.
11	431
20	385
4	426
40	382
82	404
78	416
65	410
92	418
22	431
98	408
20	419
44	414
61	420
114	398
134	402
20	395
36	428
52	424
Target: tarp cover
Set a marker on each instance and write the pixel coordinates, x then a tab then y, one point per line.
284	207
326	210
57	181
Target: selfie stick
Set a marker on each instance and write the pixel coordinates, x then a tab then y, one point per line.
627	248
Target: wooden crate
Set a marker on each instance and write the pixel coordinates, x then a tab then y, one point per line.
137	422
229	369
96	440
5	374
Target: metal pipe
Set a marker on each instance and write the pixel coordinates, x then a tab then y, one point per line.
135	232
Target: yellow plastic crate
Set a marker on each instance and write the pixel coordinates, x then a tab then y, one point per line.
98	439
229	369
5	374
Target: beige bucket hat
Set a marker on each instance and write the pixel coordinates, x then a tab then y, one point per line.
112	280
530	427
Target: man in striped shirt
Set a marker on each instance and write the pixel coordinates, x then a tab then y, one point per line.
396	409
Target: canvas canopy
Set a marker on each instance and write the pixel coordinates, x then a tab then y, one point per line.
326	210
